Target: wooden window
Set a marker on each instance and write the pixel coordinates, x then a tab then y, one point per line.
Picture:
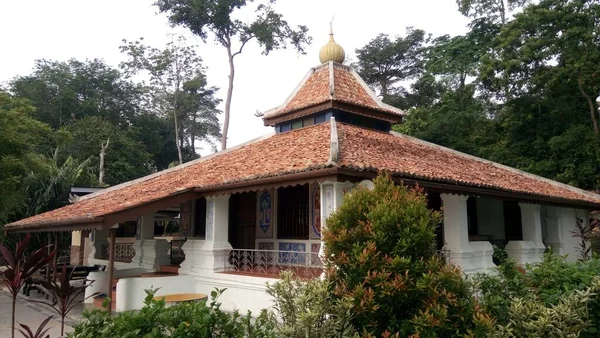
308	121
200	218
292	212
286	127
320	118
297	124
472	215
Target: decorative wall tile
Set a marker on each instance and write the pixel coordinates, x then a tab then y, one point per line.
265	215
315	212
292	257
266	246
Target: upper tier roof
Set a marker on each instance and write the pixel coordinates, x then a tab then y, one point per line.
323	149
332	85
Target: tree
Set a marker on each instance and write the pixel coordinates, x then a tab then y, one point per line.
178	88
22	138
493	10
380	247
62	92
382	62
204	17
127	158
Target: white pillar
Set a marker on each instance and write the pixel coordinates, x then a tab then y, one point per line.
456	231
332	196
150	253
531	248
212	253
554	232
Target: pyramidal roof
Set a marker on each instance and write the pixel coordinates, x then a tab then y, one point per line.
332	85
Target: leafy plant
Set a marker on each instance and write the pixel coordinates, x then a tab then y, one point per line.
546	288
21	267
40	333
194	319
381	252
64	295
307	308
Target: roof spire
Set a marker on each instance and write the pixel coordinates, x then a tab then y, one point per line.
332	51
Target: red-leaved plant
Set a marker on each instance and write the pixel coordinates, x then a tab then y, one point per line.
21	267
40	333
64	294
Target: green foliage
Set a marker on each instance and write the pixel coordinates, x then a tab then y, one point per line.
22	138
382	62
63	92
380	246
307	309
217	17
178	90
558	295
193	320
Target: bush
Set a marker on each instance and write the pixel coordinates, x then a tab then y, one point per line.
381	252
197	320
548	292
306	309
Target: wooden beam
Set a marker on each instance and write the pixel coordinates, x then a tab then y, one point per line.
111	268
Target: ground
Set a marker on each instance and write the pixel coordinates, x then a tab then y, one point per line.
33	314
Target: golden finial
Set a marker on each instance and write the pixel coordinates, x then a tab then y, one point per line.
332	51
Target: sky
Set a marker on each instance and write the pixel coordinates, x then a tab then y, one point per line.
88	29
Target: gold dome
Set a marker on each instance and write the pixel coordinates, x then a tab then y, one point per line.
332	51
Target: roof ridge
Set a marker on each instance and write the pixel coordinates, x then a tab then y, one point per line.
334	143
176	168
502	166
331	81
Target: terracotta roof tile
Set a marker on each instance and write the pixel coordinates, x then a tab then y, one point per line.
308	149
296	151
370	150
347	88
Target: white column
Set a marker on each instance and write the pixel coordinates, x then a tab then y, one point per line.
212	253
456	231
150	253
531	248
332	196
554	232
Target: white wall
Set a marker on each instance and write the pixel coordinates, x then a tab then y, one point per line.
131	291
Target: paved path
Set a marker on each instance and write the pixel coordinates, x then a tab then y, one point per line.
28	313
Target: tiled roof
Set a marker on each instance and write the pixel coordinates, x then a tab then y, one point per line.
332	82
296	151
309	149
405	156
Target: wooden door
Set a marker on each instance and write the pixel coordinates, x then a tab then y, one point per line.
242	220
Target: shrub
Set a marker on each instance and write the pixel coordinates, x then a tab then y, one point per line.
546	290
381	252
306	309
197	320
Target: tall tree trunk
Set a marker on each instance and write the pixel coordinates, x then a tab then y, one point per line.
180	156
228	99
591	107
103	148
